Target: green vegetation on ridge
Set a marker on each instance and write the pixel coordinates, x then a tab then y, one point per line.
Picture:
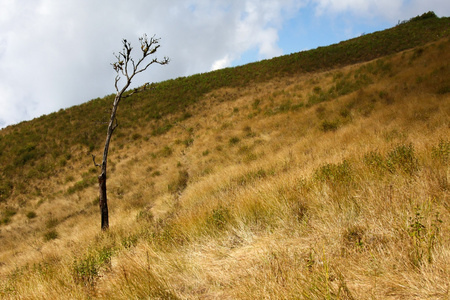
45	144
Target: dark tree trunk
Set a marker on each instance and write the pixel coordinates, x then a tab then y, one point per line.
103	201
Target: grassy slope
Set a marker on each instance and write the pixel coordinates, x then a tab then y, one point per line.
252	181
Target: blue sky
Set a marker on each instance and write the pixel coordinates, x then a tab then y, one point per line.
55	54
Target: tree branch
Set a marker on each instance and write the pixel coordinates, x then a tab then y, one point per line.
115	125
116	81
138	90
96	164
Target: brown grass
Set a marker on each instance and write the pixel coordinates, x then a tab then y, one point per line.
257	199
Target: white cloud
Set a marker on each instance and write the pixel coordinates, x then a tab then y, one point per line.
221	63
361	8
57	54
392	10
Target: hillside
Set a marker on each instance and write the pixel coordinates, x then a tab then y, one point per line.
321	174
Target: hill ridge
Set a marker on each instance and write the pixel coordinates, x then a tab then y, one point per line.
325	184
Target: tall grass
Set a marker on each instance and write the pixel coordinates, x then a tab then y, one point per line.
259	196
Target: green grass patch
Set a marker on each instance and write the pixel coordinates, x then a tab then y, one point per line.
334	173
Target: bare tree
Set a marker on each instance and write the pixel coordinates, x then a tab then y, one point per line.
127	67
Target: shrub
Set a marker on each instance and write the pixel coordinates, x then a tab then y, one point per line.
344	112
234	140
7	214
219	218
326	126
31	215
156	173
375	161
27	153
285	106
129	241
315	98
166	151
50	235
256	103
86	270
423	238
188	142
353	237
186	116
136	136
427	15
52	222
441	152
339	173
403	158
6	188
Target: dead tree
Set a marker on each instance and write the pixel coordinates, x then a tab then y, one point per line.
127	67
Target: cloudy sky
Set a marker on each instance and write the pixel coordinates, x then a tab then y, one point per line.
57	53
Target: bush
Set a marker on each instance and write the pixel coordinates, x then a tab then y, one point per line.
317	97
326	126
339	173
441	152
166	151
7	214
188	142
427	15
234	140
52	222
31	215
86	271
50	235
156	173
6	188
219	218
136	136
403	158
375	161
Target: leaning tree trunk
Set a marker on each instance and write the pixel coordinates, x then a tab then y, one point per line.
126	66
103	200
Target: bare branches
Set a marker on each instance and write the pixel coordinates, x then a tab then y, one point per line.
138	90
126	65
95	164
146	45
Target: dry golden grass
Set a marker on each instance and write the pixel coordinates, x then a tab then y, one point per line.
262	196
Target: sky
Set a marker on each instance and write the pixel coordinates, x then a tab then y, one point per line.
56	54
